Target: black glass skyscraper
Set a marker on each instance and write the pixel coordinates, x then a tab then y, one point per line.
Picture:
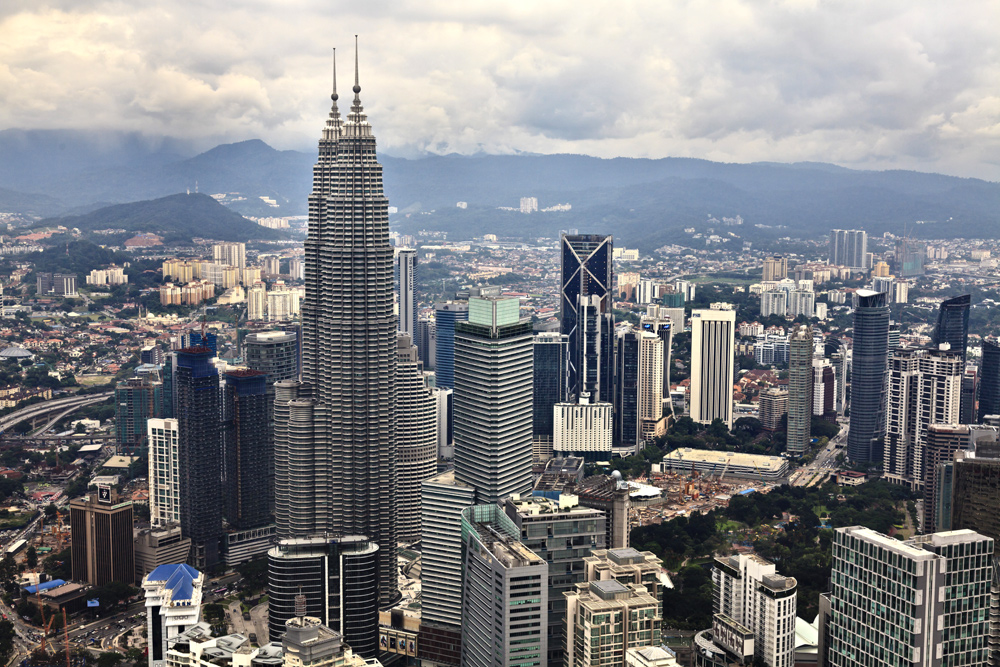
199	453
626	400
335	433
247	449
989	379
953	323
551	361
868	376
585	310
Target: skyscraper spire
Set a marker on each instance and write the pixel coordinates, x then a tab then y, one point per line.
334	96
332	130
357	86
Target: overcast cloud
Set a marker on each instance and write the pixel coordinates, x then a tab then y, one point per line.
885	84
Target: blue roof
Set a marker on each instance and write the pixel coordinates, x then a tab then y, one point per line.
746	491
31	590
178	578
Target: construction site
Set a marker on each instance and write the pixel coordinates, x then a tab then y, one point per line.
690	489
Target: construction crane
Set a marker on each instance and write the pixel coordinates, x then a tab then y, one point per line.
45	632
66	635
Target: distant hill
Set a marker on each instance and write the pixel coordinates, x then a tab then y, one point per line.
645	203
176	218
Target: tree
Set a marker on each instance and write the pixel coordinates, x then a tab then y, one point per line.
109	659
6	639
31	556
51	510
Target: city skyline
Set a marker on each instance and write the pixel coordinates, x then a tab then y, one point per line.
887	86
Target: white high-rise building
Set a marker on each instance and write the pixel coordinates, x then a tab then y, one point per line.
649	400
925	387
164	474
648	291
257	302
582	428
774	302
750	593
713	354
801	302
529	204
406	277
924	602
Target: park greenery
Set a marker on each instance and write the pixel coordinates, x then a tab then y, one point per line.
790	526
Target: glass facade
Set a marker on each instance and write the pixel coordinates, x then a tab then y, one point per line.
868	376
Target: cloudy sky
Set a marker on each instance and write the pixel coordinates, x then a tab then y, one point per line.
873	84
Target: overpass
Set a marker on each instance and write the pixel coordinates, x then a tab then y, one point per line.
62	406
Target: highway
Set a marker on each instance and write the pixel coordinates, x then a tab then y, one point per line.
824	464
65	405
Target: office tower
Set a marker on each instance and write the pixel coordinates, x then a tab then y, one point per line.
626	404
953	323
585	312
338	576
443	499
774	302
800	389
493	386
59	284
199	453
101	538
257	302
446	314
801	302
868	376
505	594
749	593
849	247
154	547
925	387
970	389
164	472
606	618
173	604
773	406
775	268
168	372
136	400
416	438
406	280
976	489
549	386
919	602
713	354
989	379
246	450
335	434
942	443
562	532
308	642
232	254
427	343
583	429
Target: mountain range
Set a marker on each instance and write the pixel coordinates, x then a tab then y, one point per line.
644	202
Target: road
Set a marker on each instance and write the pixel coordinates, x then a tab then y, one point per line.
824	463
68	404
